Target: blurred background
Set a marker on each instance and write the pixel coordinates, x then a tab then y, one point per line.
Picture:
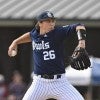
17	17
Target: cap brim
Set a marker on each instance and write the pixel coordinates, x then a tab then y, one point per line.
46	19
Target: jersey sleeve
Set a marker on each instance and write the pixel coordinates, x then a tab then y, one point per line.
31	33
70	29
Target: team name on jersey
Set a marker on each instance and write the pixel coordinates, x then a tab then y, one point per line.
40	46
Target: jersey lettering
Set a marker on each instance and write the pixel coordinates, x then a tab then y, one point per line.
66	26
40	46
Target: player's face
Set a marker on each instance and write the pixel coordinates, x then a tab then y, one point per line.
47	25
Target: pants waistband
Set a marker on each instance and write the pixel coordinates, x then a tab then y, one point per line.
50	76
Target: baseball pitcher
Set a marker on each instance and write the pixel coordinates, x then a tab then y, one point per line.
49	80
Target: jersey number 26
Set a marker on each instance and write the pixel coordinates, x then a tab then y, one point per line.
49	55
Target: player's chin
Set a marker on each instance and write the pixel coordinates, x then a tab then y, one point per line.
51	28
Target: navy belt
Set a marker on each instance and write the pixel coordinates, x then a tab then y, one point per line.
50	76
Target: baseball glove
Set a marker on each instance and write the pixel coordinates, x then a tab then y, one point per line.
80	59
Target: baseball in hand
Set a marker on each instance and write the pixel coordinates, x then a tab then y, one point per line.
13	53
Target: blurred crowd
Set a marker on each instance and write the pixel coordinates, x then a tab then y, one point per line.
15	89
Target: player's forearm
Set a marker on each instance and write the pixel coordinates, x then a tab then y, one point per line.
12	51
81	43
23	39
81	34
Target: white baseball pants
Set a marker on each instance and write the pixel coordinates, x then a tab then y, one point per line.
60	89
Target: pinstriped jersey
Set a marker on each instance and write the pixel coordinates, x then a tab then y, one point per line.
48	49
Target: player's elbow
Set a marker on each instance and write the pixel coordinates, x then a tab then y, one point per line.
80	27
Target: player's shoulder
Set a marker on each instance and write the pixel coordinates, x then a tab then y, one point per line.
60	27
33	32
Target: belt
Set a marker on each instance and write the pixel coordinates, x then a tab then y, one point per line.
50	76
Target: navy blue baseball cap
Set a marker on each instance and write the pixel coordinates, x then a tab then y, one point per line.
45	15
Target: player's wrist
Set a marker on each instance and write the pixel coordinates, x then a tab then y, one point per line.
81	32
81	43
